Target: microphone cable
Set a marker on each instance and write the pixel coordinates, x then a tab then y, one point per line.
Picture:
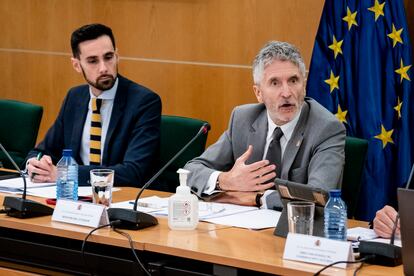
362	261
131	244
84	244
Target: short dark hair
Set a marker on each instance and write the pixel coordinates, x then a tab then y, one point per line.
89	32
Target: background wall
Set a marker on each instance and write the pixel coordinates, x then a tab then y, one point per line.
196	54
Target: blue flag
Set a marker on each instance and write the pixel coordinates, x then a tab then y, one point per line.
361	70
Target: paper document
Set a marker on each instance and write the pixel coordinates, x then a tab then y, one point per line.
15	185
360	234
50	192
146	204
219	213
255	219
205	209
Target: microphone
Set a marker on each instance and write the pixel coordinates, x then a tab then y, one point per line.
385	254
22	207
133	219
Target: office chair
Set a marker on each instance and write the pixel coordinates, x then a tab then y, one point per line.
19	125
176	132
355	154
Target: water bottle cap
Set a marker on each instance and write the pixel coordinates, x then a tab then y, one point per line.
335	193
67	152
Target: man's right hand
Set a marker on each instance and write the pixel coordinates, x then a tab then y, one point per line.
41	170
384	222
248	178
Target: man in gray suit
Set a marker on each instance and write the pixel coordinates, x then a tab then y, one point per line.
308	146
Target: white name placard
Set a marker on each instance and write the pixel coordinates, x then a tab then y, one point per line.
81	213
317	250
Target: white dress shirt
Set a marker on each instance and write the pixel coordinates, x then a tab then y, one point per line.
107	97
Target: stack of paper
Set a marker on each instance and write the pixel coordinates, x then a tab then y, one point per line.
16	185
218	213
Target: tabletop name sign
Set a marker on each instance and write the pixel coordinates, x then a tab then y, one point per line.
317	250
80	213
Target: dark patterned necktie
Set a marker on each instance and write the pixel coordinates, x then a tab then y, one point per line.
274	153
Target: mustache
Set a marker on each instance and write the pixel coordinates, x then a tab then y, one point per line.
286	104
105	76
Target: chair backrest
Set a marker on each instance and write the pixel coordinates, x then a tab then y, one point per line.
176	132
355	153
19	125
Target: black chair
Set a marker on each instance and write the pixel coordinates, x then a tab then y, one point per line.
18	130
176	132
355	154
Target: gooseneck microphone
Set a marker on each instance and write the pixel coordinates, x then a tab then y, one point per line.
133	219
22	207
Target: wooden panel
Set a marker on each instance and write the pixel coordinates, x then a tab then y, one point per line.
205	93
218	38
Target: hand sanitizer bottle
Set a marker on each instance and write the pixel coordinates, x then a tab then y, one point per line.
183	206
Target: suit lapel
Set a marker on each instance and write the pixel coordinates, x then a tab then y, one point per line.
257	137
117	112
295	142
82	102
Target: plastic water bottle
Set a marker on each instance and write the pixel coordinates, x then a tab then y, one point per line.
67	177
335	217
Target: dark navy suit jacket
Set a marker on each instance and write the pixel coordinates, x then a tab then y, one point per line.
132	141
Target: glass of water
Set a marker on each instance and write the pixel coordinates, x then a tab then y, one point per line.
102	181
300	217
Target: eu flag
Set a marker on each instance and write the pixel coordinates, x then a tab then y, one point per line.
361	71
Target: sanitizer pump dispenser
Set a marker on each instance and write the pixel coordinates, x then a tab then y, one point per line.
183	206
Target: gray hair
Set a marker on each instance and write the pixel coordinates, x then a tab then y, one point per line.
276	50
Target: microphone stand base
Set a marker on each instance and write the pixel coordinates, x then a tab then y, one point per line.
25	208
385	254
130	219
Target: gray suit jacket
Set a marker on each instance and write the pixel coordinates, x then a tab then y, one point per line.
314	155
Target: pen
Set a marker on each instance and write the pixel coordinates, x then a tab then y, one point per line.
38	157
394	229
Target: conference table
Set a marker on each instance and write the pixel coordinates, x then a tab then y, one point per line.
42	246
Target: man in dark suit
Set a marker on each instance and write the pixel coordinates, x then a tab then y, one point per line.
309	147
111	122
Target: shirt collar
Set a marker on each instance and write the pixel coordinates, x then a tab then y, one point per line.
107	94
287	128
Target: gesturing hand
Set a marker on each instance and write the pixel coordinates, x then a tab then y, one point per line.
248	178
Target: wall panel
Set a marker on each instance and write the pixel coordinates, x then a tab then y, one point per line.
196	54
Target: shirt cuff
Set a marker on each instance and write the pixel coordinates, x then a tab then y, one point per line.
211	183
264	201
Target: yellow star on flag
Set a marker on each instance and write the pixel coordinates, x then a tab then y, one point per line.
398	107
403	71
395	36
350	18
336	46
333	82
341	115
378	9
385	136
